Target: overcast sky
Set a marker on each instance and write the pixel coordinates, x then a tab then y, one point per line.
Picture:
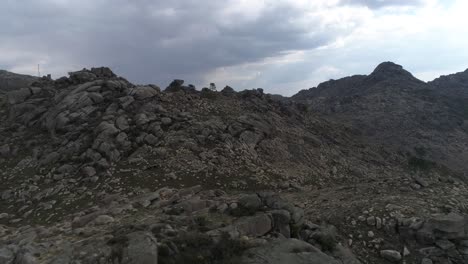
282	46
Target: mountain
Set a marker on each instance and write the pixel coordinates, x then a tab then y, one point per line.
364	169
394	110
10	81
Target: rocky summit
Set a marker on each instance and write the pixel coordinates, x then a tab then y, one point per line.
364	169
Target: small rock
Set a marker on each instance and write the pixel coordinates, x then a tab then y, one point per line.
390	255
406	251
4	216
421	181
103	220
378	222
88	171
444	244
166	121
370	221
426	261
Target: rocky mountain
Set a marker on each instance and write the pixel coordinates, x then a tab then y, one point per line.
395	111
365	169
11	81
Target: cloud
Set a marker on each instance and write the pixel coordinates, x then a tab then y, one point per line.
281	45
375	4
155	41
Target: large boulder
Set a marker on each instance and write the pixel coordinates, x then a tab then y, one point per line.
448	226
141	247
291	251
144	92
249	204
18	96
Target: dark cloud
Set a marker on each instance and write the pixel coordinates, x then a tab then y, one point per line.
375	4
151	41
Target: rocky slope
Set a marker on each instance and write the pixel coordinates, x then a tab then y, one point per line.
369	169
428	122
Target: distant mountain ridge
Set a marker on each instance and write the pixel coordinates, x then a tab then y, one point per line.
11	81
393	108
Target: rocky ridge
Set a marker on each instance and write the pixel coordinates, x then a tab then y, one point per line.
99	170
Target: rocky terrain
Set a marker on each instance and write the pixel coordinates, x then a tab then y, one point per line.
365	169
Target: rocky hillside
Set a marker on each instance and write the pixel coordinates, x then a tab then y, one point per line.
11	81
365	169
428	122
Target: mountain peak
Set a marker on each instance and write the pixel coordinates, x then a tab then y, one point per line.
389	70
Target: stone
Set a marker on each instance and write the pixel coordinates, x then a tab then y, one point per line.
144	92
5	151
449	226
281	219
287	251
444	244
426	261
88	171
25	257
252	226
103	220
421	181
431	252
390	255
141	119
96	97
370	221
151	139
52	157
190	206
166	121
406	252
249	204
122	123
6	255
141	248
18	96
378	222
4	216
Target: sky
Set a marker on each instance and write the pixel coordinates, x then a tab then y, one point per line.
282	46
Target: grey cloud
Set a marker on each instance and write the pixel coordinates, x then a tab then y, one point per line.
375	4
149	41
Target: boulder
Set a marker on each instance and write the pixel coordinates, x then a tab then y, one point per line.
254	226
144	92
141	248
103	220
281	219
5	150
6	255
449	226
18	96
291	251
249	204
390	255
122	123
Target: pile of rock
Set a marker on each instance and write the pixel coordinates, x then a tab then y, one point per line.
161	227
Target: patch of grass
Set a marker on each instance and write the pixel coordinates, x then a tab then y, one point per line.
420	151
419	164
198	248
